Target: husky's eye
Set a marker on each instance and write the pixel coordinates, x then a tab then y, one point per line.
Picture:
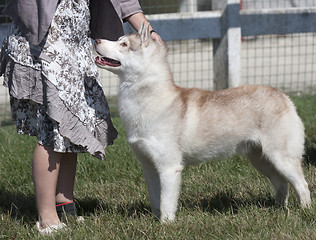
123	44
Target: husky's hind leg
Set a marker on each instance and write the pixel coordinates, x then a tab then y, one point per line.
292	171
280	184
286	167
283	146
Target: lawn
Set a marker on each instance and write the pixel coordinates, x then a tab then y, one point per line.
219	200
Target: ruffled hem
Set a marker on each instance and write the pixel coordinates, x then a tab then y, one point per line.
77	132
28	83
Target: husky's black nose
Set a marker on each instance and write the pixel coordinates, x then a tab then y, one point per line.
97	41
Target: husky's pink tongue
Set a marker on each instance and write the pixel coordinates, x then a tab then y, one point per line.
107	61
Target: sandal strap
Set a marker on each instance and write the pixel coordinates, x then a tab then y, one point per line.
63	209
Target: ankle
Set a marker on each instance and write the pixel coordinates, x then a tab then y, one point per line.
65	208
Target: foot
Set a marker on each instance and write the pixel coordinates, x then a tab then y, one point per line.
50	229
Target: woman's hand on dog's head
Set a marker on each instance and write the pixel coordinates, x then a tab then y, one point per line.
156	37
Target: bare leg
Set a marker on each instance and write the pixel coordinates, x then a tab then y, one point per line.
46	165
66	178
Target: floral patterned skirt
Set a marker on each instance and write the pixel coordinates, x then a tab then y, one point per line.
54	88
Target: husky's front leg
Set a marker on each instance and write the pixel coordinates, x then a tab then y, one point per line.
170	181
153	185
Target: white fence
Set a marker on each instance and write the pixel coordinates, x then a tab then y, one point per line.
228	27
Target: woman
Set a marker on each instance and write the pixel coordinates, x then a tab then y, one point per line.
55	91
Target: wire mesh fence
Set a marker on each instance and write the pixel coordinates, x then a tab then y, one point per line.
286	62
3	18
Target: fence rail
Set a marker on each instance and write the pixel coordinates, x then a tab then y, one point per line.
276	21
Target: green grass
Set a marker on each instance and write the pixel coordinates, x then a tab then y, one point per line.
219	200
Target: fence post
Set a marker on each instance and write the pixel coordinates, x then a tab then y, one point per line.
188	6
227	49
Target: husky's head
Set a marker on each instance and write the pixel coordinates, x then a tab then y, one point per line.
130	54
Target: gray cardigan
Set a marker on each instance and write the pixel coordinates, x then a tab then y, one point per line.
33	17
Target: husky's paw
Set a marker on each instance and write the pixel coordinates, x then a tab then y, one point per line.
167	218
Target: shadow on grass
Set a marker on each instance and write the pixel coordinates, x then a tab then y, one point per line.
225	201
90	206
23	207
18	206
310	152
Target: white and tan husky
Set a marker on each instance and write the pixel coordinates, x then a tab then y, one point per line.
169	127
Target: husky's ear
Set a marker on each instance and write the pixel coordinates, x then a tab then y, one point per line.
144	33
